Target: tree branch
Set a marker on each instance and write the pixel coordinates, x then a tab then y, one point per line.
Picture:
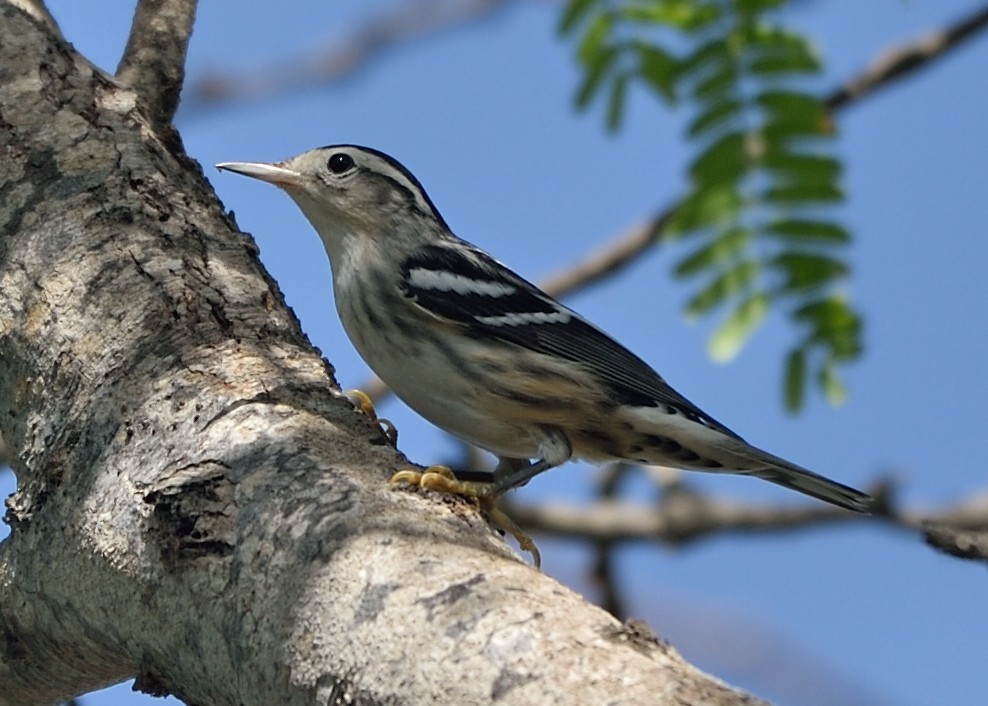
37	10
682	516
908	58
153	63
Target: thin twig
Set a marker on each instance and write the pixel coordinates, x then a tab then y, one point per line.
604	569
153	63
907	59
363	45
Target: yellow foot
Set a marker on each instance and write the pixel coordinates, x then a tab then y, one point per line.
362	401
442	479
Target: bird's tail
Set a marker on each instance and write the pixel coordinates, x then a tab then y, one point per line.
785	473
812	484
676	440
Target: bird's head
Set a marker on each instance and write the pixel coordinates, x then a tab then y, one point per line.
347	191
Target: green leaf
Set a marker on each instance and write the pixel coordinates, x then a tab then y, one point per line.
795	379
800	230
686	15
831	384
805	168
716	84
795	126
714	116
834	324
615	107
703	15
738	327
804	270
720	288
594	76
717	253
781	103
704	207
659	69
775	50
714	55
757	6
573	13
785	64
767	38
803	192
724	161
596	40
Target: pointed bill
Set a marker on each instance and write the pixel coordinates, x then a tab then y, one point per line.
271	173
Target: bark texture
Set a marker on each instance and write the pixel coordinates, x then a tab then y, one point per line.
196	504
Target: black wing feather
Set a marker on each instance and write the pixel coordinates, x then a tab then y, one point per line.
632	380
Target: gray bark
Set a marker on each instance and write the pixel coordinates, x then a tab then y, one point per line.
196	504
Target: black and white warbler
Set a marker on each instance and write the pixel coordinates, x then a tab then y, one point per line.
487	356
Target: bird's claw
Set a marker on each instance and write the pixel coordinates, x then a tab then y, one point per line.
362	401
443	480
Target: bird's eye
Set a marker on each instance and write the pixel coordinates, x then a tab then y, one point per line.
340	163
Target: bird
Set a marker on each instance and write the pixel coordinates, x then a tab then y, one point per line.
486	355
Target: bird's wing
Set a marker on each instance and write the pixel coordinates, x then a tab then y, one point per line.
470	289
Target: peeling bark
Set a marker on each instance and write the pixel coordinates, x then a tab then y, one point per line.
197	507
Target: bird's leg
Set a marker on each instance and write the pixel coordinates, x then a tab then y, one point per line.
554	450
517	477
362	401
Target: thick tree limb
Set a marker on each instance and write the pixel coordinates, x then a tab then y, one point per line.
37	10
196	504
153	62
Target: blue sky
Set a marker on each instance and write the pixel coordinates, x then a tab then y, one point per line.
858	615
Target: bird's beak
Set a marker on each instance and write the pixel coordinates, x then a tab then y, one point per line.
271	173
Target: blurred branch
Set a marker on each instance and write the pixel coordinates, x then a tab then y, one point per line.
907	58
680	517
959	543
604	569
341	59
683	516
964	532
419	20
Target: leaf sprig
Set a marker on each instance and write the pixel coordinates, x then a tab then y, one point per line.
757	218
